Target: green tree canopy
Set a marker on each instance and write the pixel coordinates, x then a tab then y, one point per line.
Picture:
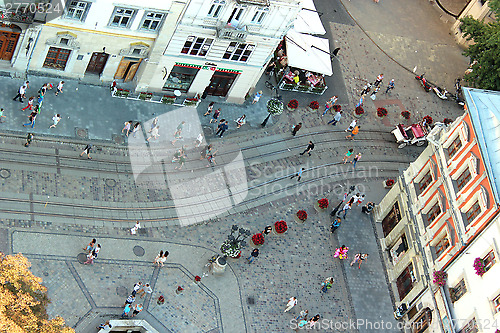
485	50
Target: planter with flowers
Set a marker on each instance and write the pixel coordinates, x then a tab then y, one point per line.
280	227
275	106
382	112
313	106
388	183
166	99
405	115
440	278
292	105
321	205
358	111
197	279
123	93
258	239
145	96
301	216
479	266
428	120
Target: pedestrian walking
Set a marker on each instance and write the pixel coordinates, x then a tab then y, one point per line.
309	148
336	118
215	116
222	128
341	252
164	258
55	120
302	315
270	68
351	126
27	84
106	326
240	121
253	255
314	320
211	158
130	299
296	128
181	160
96	250
257	97
29	138
126	127
359	257
146	289
336	222
390	86
1	115
126	310
154	133
21	93
361	101
137	309
136	128
59	87
347	155
378	80
136	288
135	228
360	200
157	261
209	108
373	96
87	150
205	152
154	124
178	132
331	102
290	304
267	230
90	246
298	174
40	100
354	132
356	159
327	284
30	104
366	89
32	119
346	208
368	207
90	258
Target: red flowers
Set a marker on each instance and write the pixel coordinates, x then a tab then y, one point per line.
389	182
302	215
359	110
293	104
428	119
258	239
314	105
405	114
381	112
197	278
323	203
280	227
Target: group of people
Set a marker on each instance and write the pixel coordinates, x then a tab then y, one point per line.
223	124
92	250
140	289
373	88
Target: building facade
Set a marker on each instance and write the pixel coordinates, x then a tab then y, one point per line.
477	9
435	218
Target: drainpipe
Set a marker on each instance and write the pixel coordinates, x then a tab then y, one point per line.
31	53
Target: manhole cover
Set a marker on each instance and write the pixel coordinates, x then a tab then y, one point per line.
118	139
81	257
122	291
251	300
139	251
4	173
110	182
81	133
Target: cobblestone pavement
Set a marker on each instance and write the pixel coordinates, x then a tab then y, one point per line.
50	196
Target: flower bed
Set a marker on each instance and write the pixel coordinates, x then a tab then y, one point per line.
122	93
479	266
381	112
190	101
280	227
428	119
258	239
440	278
323	203
359	110
166	99
275	106
406	115
302	215
145	96
314	105
293	104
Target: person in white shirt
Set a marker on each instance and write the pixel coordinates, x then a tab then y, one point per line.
291	303
59	87
20	94
351	126
56	119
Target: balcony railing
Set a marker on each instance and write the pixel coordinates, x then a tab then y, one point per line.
226	31
254	2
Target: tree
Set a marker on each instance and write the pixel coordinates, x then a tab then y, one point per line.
23	299
486	49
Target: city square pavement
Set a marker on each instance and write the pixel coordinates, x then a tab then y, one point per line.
53	203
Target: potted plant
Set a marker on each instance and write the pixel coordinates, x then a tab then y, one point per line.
381	112
197	279
292	105
447	121
301	216
428	120
145	96
359	111
322	204
166	99
313	106
405	115
479	266
280	227
440	278
258	239
190	101
388	183
275	106
122	93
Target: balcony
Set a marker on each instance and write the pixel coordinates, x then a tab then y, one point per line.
226	31
263	3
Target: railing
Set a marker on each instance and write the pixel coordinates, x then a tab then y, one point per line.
302	88
150	97
226	31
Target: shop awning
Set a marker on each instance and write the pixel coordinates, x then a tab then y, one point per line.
308	52
308	21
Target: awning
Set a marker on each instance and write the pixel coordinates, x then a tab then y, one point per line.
308	52
308	21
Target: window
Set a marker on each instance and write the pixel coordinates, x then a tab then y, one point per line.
473	212
442	245
496	304
405	281
197	46
421	324
56	58
391	220
238	52
489	260
122	17
151	21
425	181
215	8
77	10
433	213
471	327
399	249
234	19
181	77
454	147
458	291
259	15
463	179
